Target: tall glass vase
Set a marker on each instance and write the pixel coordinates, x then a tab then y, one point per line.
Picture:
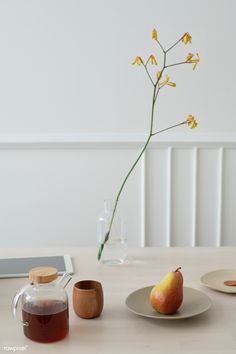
115	249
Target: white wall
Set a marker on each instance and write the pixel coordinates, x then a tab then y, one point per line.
65	65
66	76
181	193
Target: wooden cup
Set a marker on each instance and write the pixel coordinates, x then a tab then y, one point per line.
88	298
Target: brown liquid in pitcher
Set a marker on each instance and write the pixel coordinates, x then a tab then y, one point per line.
47	322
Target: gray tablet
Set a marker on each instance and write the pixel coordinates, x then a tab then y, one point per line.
19	267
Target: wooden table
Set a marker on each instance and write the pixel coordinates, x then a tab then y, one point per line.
120	331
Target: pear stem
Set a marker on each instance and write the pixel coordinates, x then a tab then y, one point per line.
177	269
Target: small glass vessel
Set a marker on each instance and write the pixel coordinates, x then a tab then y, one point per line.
115	249
44	305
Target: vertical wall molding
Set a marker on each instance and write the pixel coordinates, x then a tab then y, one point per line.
169	198
204	230
220	193
143	201
194	196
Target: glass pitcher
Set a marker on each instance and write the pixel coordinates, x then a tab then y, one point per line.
44	305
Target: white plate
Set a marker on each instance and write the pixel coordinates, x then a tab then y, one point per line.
194	303
215	280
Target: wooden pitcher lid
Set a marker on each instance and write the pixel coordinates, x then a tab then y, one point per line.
42	274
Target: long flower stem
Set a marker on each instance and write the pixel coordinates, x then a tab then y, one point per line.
156	89
127	176
129	173
118	196
151	134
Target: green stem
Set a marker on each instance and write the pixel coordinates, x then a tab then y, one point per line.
164	51
174	45
158	80
173	126
145	66
152	113
182	62
127	176
118	196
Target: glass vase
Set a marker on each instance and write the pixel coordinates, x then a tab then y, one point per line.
115	249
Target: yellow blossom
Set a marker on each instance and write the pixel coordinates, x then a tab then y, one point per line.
158	75
167	82
138	60
153	59
192	123
154	34
186	38
173	84
191	59
196	61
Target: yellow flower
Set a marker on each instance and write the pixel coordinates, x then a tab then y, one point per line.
154	34
186	38
190	59
196	61
138	60
192	123
167	82
153	59
158	75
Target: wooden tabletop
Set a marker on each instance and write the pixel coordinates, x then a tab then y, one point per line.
118	330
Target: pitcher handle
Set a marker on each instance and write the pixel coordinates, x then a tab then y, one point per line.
14	305
66	277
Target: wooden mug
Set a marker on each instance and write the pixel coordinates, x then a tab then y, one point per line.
88	298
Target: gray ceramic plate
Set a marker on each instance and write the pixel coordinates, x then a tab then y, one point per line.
215	280
194	303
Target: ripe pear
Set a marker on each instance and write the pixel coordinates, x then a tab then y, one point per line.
167	296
